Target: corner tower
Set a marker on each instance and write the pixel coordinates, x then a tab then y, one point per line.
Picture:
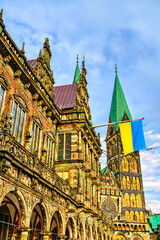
132	222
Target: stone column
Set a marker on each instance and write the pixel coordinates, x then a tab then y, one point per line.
61	237
24	233
45	235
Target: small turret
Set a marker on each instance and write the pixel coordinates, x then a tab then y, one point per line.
84	71
1	16
47	52
77	73
119	106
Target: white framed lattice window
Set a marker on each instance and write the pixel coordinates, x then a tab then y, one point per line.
4	86
19	111
49	146
64	146
36	135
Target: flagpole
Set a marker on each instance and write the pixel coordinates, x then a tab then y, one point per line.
106	124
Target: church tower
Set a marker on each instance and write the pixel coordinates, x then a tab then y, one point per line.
132	221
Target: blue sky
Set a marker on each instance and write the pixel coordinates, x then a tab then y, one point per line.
106	32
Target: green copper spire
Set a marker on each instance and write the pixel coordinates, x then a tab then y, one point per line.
119	105
77	73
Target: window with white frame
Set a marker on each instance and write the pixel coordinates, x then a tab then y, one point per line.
19	111
36	135
17	121
1	95
64	146
49	150
4	86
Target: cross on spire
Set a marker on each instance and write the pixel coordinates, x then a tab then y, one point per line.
115	68
77	58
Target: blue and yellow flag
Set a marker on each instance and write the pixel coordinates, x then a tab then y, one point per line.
132	136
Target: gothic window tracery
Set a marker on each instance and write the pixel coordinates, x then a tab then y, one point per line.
109	208
139	201
133	165
126	200
131	216
128	183
124	164
141	217
124	182
133	200
127	215
134	183
138	183
136	216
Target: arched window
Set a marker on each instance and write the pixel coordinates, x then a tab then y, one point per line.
134	183
127	215
131	216
126	200
124	182
128	183
141	217
138	183
133	201
133	165
139	201
136	216
124	164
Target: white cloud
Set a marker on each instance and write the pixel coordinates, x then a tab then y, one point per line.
106	32
154	205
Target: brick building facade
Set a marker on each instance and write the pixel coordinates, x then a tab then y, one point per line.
51	186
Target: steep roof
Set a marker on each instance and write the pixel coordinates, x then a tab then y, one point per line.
32	63
119	104
77	74
102	170
155	221
65	95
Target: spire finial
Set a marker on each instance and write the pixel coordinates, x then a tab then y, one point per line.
22	50
116	68
83	61
77	58
40	53
1	14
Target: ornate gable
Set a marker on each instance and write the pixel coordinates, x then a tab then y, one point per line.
22	101
38	121
51	134
4	82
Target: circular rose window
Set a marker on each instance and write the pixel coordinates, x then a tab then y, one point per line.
109	208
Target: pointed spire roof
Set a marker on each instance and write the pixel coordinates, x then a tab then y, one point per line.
77	73
119	106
